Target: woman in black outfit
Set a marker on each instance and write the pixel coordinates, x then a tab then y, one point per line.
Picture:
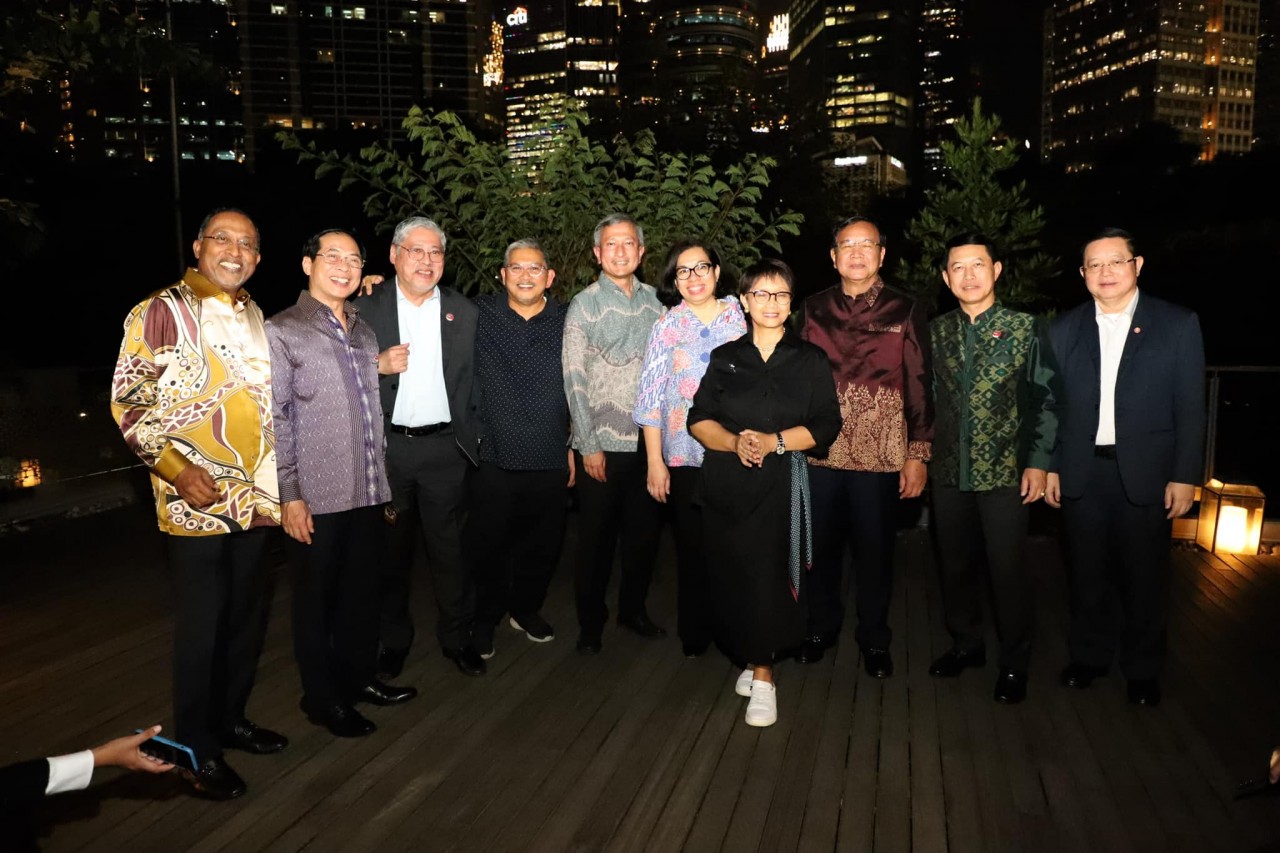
767	399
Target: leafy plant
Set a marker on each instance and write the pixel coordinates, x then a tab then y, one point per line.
484	198
972	197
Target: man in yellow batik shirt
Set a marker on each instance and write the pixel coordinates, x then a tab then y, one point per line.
192	395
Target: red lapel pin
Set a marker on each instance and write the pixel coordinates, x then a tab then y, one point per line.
449	317
1137	330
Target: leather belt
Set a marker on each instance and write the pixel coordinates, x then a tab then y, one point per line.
420	431
1104	451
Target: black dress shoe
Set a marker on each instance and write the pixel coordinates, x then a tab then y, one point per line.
340	719
216	780
642	625
468	660
957	661
1011	686
589	644
1144	691
812	649
391	661
1081	675
877	663
246	736
378	693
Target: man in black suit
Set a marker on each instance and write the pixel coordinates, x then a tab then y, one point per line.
1128	455
426	339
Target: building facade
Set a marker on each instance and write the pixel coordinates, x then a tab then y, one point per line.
853	74
1112	66
558	55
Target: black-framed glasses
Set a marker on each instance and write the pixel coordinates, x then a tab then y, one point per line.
534	270
782	297
222	241
702	269
1095	267
334	259
434	255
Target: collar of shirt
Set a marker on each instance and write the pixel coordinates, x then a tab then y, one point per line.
434	296
607	282
872	293
725	312
1125	313
205	289
314	306
981	318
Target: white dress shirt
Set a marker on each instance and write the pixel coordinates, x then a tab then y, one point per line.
69	772
1113	330
422	399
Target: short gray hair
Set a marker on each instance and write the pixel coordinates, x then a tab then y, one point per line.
618	219
414	222
526	243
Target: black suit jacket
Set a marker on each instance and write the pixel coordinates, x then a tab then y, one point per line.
458	340
23	782
1159	401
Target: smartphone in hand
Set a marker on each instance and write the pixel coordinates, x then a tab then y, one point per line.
168	751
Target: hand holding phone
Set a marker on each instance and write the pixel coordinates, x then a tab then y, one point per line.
168	751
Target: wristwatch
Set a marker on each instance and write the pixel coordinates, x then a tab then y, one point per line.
782	447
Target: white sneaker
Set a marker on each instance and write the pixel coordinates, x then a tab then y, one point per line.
743	685
762	710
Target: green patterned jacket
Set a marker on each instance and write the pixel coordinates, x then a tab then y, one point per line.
995	387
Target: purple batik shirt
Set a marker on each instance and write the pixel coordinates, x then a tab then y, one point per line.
327	415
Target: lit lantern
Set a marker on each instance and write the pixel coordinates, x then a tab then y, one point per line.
29	473
1230	517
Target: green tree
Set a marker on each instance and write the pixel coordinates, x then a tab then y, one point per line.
972	196
484	199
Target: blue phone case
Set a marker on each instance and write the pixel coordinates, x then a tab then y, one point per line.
183	754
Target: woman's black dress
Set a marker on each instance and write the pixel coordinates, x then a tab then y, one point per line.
759	618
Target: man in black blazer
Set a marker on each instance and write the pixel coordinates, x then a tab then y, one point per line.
1130	445
426	339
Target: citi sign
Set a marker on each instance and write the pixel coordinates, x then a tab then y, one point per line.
518	16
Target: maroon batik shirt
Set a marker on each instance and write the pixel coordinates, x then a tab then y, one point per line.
878	345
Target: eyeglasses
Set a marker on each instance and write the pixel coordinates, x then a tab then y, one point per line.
222	241
701	269
334	259
418	253
782	297
857	245
534	270
1095	267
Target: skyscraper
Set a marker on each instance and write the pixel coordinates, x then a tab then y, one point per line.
1112	66
557	54
707	69
854	71
944	76
359	66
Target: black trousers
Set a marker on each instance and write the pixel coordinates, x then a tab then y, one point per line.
428	492
618	511
335	602
217	634
858	509
1118	555
513	544
693	583
967	524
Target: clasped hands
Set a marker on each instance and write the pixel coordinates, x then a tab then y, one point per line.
751	446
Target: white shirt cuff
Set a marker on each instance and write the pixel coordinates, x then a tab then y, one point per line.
70	772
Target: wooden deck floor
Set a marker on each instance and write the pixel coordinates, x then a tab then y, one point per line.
640	749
